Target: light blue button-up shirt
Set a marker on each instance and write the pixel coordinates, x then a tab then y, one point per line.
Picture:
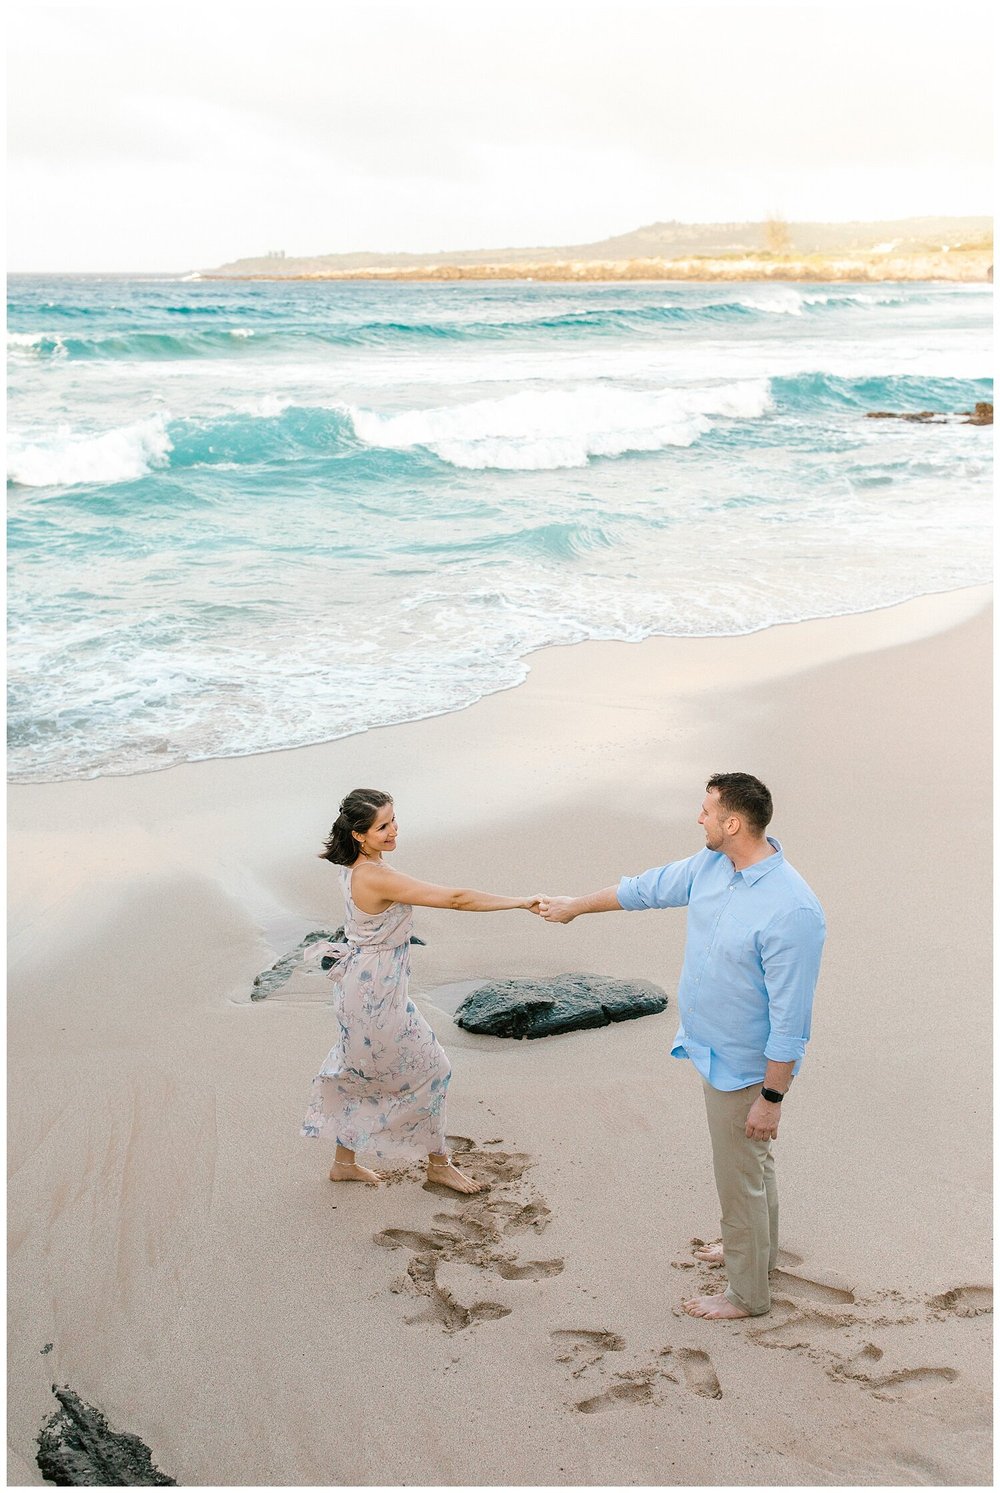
754	941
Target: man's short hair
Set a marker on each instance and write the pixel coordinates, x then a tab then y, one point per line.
741	794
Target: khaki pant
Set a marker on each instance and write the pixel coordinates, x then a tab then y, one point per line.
748	1196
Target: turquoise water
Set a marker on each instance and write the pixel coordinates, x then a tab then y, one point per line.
250	516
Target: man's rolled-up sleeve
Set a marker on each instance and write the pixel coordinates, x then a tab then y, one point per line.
791	948
663	886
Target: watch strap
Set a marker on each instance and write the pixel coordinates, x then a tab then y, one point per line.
773	1096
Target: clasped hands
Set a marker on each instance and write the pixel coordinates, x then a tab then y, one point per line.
552	909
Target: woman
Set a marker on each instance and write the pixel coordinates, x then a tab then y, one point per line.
382	1087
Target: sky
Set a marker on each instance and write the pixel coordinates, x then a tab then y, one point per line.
151	137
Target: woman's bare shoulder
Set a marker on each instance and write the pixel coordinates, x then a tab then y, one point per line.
372	884
371	872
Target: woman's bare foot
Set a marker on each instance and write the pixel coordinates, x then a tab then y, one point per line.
350	1172
717	1308
710	1254
441	1171
346	1169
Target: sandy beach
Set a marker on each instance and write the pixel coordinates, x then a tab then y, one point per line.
180	1261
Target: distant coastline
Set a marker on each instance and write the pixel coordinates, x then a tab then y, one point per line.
911	249
972	266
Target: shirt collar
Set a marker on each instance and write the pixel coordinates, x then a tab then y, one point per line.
752	874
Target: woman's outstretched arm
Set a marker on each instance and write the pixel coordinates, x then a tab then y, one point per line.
384	885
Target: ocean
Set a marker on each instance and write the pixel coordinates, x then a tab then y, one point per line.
249	516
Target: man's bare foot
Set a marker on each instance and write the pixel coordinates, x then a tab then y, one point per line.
711	1255
350	1171
441	1171
716	1308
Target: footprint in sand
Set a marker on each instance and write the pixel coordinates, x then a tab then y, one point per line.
406	1239
519	1217
831	1290
584	1348
821	1317
810	1324
964	1301
581	1347
789	1325
636	1389
460	1229
645	1386
901	1384
473	1237
533	1270
443	1309
699	1375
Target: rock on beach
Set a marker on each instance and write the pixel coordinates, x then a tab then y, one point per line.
562	1003
280	973
77	1448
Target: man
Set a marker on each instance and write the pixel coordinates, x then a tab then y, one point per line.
754	939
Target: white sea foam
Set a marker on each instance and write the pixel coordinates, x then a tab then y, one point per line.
67	458
774	300
264	407
241	332
35	343
561	428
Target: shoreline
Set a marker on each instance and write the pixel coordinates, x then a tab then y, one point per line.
925	613
204	1287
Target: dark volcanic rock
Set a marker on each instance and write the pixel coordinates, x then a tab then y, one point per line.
922	416
981	415
564	1003
272	979
78	1449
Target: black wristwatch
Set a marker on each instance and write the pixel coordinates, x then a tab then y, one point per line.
773	1096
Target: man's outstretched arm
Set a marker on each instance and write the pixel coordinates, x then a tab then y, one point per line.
565	909
663	886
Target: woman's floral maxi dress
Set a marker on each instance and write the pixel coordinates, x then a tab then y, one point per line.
382	1088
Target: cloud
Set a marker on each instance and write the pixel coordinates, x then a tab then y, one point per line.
335	127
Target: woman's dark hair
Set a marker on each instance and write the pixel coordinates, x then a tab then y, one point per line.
357	813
